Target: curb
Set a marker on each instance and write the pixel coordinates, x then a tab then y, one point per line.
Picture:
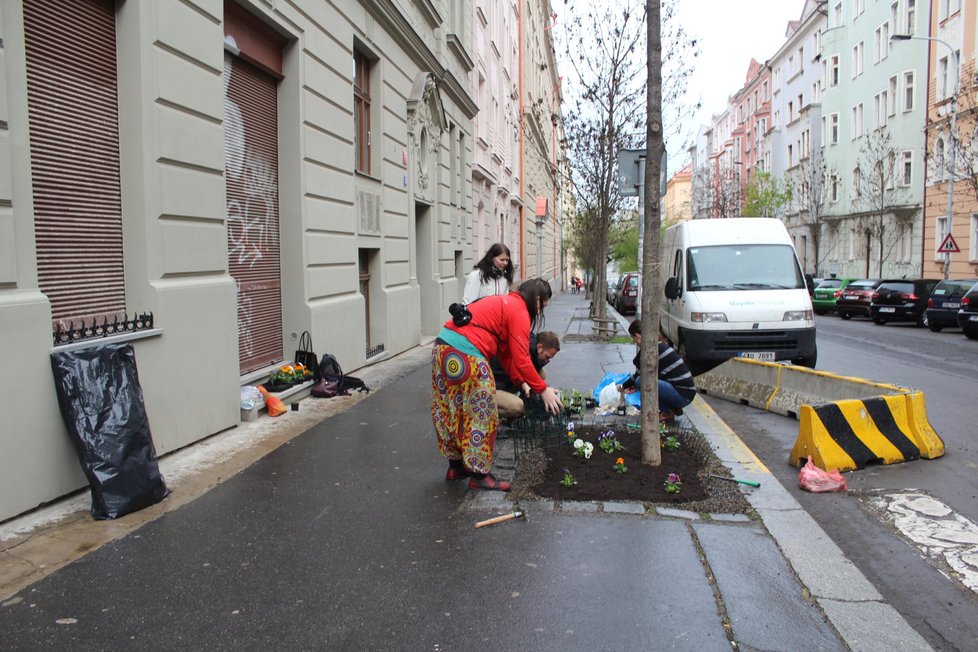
851	604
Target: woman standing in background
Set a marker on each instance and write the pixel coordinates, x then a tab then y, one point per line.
493	274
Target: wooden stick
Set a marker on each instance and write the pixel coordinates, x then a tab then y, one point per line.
499	519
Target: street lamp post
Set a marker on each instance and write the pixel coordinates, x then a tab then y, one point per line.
954	131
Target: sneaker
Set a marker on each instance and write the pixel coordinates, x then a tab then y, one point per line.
488	481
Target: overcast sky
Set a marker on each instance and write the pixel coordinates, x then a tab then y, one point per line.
729	33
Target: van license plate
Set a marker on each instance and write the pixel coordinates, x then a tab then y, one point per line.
767	356
887	309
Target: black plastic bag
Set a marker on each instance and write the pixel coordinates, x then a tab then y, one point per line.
102	406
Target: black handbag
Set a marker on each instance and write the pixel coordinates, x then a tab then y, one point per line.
305	355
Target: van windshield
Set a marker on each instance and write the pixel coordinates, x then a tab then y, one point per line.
743	267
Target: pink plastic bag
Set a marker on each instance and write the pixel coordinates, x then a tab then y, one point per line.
811	478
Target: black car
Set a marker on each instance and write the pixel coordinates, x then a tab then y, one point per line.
902	300
856	297
944	302
968	315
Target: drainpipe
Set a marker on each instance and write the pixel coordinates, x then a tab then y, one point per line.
522	149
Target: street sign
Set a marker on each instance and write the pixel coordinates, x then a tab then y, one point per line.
949	246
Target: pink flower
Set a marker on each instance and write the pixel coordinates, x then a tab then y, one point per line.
674	478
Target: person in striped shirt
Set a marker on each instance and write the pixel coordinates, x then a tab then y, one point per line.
676	386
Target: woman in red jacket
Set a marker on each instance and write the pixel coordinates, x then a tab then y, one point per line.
463	397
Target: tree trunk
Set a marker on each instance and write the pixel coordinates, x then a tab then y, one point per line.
651	451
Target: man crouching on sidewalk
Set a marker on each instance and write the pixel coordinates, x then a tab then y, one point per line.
543	347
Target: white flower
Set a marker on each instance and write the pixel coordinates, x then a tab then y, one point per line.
578	443
588	449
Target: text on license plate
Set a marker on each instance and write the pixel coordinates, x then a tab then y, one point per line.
952	304
851	296
887	309
767	356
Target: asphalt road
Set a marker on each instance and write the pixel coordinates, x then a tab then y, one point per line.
943	365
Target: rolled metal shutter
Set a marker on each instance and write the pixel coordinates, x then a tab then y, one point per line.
73	107
251	157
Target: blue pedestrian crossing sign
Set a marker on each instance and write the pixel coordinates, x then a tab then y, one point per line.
949	246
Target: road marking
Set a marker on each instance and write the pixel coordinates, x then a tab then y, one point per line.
934	528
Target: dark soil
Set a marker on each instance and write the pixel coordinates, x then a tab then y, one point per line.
539	473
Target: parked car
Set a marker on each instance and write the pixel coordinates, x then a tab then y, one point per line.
827	292
902	300
625	300
968	314
855	299
944	302
612	284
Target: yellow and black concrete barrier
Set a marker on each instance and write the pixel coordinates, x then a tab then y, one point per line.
845	422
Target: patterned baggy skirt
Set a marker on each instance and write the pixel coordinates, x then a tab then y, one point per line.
463	407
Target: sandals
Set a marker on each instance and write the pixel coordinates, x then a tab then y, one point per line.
488	481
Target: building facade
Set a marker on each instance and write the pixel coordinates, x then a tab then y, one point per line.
207	180
875	91
951	93
796	132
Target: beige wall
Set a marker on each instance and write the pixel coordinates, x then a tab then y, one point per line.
172	159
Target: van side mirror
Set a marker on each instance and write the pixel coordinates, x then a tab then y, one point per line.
672	288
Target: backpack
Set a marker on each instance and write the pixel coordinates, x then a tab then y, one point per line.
331	381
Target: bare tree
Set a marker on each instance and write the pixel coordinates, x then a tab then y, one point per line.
882	193
810	195
716	192
606	94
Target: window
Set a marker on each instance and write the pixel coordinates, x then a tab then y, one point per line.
939	161
804	150
892	169
857	121
908	88
833	188
942	69
816	43
905	245
361	111
837	15
973	249
881	42
834	128
791	156
858	7
857	59
791	112
910	17
940	233
879	110
946	77
834	71
948	8
906	174
891	96
856	183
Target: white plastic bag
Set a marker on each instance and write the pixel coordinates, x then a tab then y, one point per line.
250	396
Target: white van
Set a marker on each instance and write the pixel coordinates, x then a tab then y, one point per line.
734	287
